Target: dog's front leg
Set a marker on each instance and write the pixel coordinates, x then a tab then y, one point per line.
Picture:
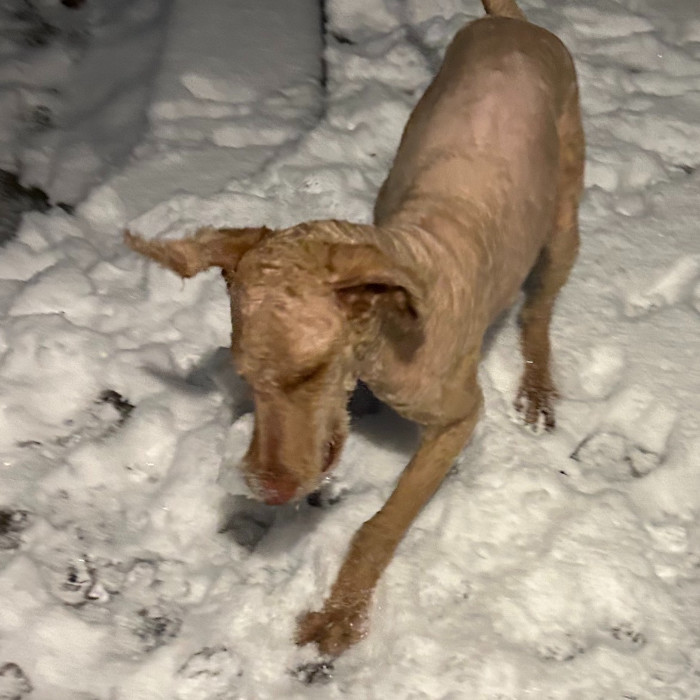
343	620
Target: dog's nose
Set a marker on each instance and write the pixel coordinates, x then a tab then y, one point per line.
277	490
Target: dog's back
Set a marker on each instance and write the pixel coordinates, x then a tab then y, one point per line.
482	147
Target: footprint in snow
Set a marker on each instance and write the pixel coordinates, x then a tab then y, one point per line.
628	635
12	524
675	285
246	521
139	631
14	684
630	438
600	371
314	672
101	419
614	457
561	647
209	674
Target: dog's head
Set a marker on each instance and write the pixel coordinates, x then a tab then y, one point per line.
304	311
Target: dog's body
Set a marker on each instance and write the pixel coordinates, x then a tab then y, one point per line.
481	200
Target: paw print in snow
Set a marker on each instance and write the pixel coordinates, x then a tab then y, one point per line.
75	577
139	630
14	685
314	672
150	581
615	457
626	633
561	647
154	626
105	416
12	523
631	436
599	371
246	521
209	674
71	581
671	287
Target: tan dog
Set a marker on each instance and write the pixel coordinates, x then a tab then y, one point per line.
482	200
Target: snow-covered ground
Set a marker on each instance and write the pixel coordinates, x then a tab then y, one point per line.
562	566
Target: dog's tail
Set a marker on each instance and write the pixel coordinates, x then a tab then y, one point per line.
503	8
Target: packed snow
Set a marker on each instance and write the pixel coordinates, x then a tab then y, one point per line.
133	567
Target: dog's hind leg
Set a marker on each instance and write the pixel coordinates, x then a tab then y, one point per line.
537	391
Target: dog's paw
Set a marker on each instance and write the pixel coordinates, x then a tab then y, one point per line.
535	407
333	630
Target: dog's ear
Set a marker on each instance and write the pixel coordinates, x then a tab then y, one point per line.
208	247
367	282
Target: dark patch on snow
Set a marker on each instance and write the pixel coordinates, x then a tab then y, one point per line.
96	424
107	414
122	405
246	521
12	523
342	39
41	119
75	583
626	633
564	648
15	199
29	443
14	684
37	26
314	672
156	627
246	530
324	38
34	29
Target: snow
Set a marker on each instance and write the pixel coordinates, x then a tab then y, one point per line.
565	565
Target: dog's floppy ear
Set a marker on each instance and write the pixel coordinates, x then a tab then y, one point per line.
368	282
208	247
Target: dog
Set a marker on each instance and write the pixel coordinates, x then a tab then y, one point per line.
481	202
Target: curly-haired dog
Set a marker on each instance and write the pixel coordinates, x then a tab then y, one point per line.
481	201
